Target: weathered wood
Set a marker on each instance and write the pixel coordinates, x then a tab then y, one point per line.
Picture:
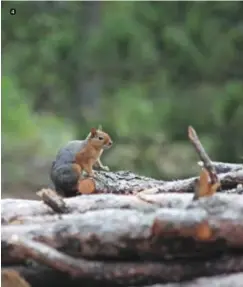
231	280
125	273
42	276
228	181
196	231
53	200
24	211
154	234
158	223
207	163
223	167
129	183
125	182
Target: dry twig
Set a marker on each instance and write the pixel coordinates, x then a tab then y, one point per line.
202	154
203	187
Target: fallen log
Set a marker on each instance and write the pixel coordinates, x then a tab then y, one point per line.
228	181
112	233
124	182
124	273
43	276
129	183
33	211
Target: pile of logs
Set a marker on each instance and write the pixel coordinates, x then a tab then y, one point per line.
133	231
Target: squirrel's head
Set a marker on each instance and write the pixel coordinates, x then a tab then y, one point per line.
100	138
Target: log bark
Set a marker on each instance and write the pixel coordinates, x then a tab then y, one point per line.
125	273
228	181
124	182
112	233
223	167
32	211
147	231
233	280
43	276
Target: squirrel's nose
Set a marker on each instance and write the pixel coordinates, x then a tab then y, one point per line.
110	143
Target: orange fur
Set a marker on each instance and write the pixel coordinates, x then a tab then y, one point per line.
91	152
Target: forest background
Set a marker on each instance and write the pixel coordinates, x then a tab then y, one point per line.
144	70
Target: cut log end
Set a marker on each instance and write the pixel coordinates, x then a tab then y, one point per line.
86	186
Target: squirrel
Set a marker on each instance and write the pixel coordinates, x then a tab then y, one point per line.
78	156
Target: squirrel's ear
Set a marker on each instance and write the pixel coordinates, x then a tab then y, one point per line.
93	132
100	127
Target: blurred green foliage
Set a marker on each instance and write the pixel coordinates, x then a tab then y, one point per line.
144	70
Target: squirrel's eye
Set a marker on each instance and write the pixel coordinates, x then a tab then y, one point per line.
101	138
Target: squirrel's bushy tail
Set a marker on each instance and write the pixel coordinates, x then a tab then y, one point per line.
64	178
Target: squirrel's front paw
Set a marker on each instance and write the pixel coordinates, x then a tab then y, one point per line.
105	168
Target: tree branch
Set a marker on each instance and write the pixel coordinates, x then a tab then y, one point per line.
202	154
